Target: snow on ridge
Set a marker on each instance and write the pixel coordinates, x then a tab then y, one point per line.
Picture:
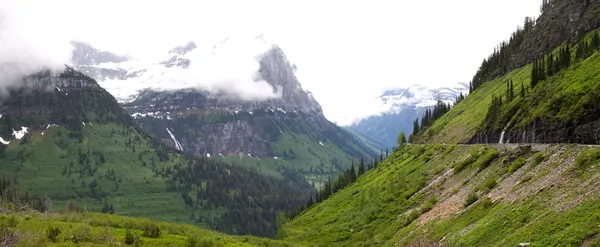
3	141
177	144
21	133
322	144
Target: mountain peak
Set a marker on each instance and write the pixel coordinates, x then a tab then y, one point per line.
182	50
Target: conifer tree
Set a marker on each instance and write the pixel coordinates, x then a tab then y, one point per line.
512	92
401	139
352	174
522	90
361	167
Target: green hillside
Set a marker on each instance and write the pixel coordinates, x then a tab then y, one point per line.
566	100
315	149
81	147
93	229
463	196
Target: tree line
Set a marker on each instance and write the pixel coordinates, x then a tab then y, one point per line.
499	62
432	114
342	181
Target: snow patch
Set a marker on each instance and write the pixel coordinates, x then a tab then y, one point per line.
275	158
207	155
249	155
322	144
281	110
83	123
21	133
50	126
3	141
177	144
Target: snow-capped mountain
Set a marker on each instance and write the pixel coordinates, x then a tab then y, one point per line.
420	96
238	97
401	107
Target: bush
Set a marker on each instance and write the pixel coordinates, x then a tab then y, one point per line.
428	205
52	233
516	165
537	159
7	236
487	158
587	159
471	198
131	238
81	234
13	221
151	230
463	164
193	241
210	242
488	184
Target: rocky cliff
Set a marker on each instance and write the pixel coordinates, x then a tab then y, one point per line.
561	20
290	127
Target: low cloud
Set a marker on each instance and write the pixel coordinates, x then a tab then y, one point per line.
28	41
229	68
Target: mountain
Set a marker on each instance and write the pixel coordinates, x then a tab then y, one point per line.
66	141
402	106
553	99
509	165
283	126
457	195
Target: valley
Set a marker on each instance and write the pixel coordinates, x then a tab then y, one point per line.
219	143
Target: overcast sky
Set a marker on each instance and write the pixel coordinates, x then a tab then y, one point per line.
345	51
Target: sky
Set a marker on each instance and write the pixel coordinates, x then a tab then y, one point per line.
347	52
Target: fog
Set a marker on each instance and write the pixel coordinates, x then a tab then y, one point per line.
26	41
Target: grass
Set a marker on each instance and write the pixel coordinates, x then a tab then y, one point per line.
566	98
94	229
135	191
407	201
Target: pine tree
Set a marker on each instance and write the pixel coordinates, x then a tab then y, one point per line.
352	174
401	139
568	55
534	73
416	127
512	92
596	40
470	87
522	90
361	167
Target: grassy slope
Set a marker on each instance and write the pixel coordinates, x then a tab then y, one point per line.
546	198
46	156
563	97
315	161
93	229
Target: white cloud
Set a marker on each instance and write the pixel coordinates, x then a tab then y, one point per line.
230	69
348	48
27	40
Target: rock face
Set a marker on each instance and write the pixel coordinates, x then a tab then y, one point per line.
563	20
544	132
70	98
207	123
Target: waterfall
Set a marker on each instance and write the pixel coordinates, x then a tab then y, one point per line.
504	131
